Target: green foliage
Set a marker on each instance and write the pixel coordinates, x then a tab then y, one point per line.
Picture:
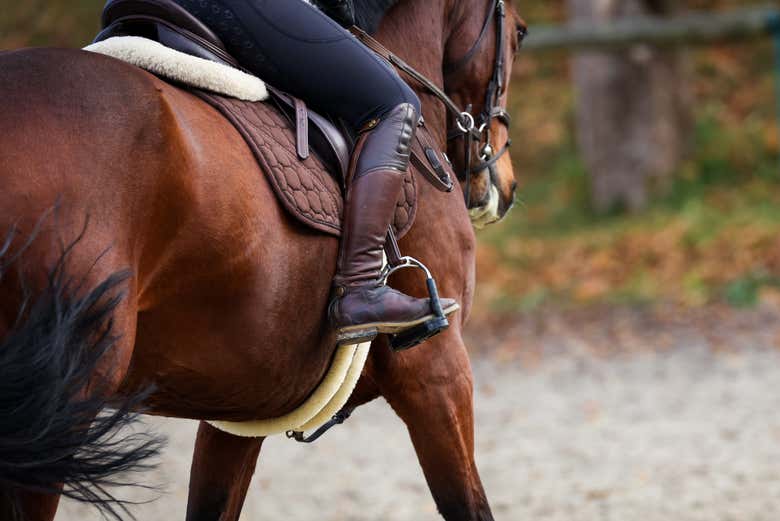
710	232
744	291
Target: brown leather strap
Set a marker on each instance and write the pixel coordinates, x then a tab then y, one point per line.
392	251
452	67
402	66
430	162
301	128
424	154
431	168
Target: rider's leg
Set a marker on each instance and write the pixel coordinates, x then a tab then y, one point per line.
363	307
297	48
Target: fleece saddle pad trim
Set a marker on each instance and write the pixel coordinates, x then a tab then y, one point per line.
329	398
182	68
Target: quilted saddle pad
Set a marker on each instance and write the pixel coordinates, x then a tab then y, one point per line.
305	188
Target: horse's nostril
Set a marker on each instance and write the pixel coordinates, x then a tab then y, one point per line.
514	187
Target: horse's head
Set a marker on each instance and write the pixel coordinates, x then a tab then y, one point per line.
477	70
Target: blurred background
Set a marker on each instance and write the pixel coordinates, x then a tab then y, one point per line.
625	333
647	174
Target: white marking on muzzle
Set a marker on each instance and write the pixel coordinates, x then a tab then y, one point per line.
488	213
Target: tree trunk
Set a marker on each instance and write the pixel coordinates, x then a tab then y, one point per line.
632	110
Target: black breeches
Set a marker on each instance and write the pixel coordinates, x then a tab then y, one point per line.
298	49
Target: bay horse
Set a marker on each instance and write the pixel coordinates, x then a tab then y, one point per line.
148	255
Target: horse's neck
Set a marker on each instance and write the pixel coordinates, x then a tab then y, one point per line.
416	31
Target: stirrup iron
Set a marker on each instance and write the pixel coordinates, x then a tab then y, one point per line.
422	332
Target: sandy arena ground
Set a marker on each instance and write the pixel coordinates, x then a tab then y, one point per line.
689	434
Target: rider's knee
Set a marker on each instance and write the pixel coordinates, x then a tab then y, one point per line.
410	97
403	95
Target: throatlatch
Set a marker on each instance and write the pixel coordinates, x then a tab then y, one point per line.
432	327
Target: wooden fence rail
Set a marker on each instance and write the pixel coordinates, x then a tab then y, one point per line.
688	29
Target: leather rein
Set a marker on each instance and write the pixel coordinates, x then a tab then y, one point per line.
472	129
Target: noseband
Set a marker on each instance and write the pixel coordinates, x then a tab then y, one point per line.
472	129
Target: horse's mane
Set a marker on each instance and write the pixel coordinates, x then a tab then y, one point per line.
369	13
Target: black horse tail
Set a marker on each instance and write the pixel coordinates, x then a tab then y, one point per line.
59	433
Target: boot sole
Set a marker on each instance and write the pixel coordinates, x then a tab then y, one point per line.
367	332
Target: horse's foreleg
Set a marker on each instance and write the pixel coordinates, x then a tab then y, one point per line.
431	389
222	469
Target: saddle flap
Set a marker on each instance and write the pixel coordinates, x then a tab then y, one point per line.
281	134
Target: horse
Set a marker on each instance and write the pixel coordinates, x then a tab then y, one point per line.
148	266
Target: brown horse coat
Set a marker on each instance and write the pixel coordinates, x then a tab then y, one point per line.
225	314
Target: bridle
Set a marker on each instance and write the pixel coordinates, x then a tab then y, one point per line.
477	130
472	129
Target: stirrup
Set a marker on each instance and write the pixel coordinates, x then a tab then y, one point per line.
422	332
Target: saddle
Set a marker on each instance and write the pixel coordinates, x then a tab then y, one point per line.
304	155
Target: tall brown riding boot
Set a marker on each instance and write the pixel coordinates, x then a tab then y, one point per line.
363	307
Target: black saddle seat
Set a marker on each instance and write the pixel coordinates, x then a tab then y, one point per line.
166	22
169	11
